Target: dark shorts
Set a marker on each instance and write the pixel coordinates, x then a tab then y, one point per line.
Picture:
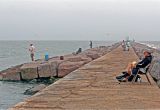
32	55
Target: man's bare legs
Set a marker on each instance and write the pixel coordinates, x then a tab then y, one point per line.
129	69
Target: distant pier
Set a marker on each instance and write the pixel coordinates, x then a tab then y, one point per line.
94	87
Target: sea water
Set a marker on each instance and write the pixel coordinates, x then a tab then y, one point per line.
16	52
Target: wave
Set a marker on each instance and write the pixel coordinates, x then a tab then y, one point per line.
151	44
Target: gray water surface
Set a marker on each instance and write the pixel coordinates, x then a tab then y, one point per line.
16	52
12	93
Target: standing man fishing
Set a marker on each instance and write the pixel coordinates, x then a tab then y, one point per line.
32	51
91	44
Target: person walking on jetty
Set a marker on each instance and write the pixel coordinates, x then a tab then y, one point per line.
91	44
32	51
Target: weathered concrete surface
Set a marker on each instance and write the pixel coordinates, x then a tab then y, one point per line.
94	87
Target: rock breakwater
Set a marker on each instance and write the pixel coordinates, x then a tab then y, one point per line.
55	66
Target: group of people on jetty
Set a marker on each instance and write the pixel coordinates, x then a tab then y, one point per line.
32	51
125	45
135	68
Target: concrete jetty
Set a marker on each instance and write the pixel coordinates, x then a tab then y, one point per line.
94	87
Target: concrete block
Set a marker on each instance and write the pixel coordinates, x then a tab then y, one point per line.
29	71
67	67
93	56
44	70
11	76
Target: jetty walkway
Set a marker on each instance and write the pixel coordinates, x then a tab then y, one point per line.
94	87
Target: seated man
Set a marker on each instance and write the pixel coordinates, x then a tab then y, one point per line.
79	51
133	68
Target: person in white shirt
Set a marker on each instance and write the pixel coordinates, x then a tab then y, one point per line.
32	51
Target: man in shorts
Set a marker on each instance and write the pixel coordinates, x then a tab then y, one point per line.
32	51
133	68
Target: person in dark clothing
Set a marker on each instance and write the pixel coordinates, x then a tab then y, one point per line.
142	64
79	51
91	44
133	69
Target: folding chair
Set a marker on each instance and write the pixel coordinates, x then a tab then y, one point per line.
143	71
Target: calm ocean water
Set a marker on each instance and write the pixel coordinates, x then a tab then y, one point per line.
16	52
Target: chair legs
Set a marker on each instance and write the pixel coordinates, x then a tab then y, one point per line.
134	78
148	79
135	75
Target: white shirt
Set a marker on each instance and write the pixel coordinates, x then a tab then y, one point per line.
32	49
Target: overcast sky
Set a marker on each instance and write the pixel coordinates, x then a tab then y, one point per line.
79	19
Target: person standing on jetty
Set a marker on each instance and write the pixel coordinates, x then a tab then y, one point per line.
91	44
32	51
123	45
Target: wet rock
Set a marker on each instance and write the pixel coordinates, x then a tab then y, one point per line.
34	90
33	81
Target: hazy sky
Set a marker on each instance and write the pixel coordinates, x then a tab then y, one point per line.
79	19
